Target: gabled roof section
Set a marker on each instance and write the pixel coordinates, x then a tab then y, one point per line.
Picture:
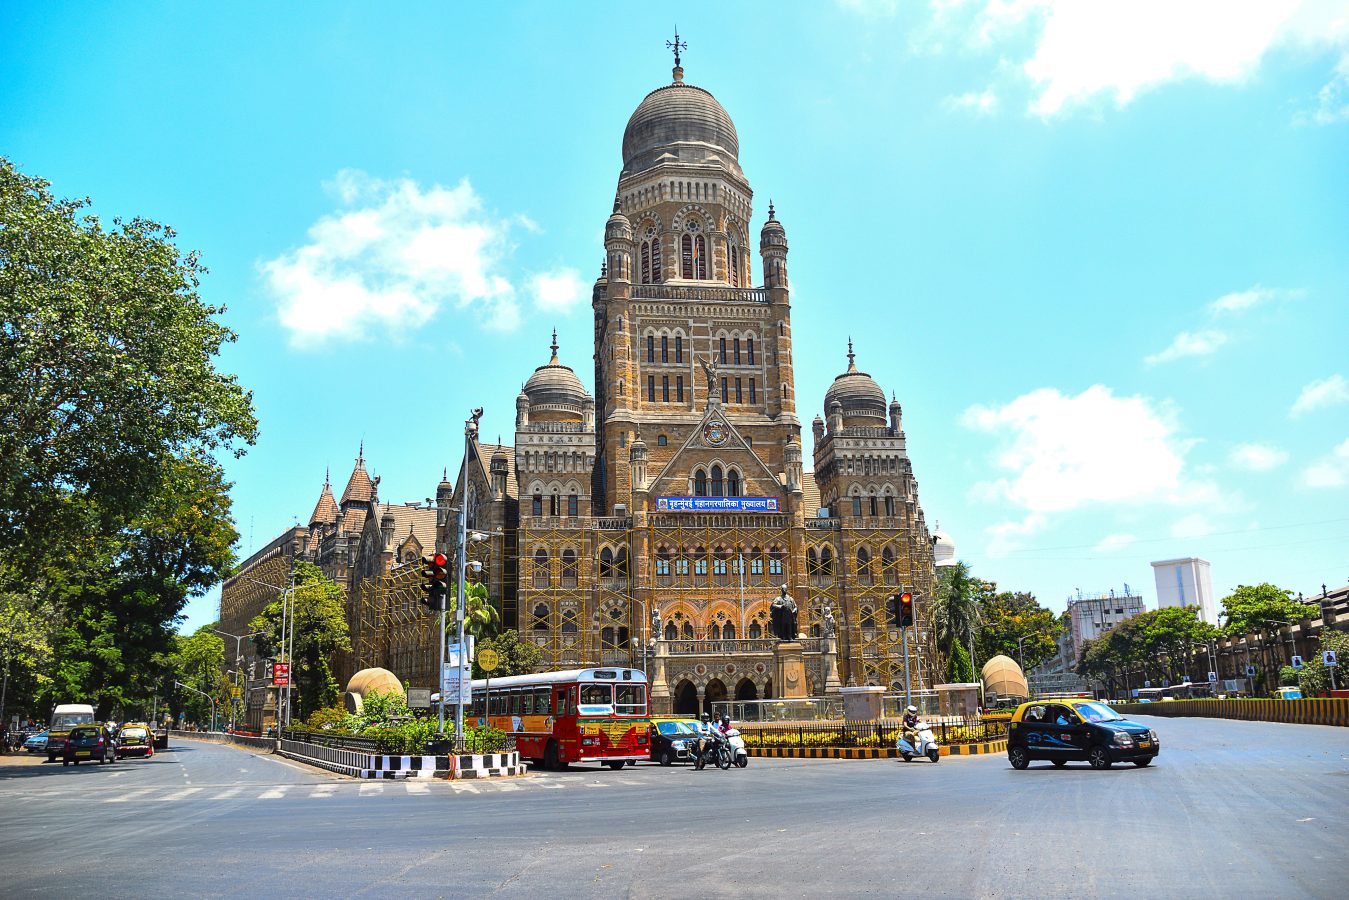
411	522
733	447
810	494
360	487
485	454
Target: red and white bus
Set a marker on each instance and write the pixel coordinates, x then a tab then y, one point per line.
579	715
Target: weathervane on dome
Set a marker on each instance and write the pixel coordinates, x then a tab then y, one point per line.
676	45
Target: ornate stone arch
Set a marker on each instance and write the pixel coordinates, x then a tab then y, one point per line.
692	209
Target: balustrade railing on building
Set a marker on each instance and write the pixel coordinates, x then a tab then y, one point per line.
699	294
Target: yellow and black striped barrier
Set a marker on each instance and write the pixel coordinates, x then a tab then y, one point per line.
1307	711
984	747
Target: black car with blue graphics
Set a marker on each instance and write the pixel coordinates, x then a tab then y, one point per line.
1062	731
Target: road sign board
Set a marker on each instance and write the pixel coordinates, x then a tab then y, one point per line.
1212	677
1147	684
235	691
1250	671
1296	662
456	679
488	659
1328	659
419	698
281	674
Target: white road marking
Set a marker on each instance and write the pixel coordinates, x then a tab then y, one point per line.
417	787
507	786
273	794
130	795
227	793
373	788
323	790
180	795
461	786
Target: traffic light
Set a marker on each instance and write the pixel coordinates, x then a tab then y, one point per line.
435	578
901	610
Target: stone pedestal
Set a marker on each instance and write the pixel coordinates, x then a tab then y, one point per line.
862	704
789	672
958	699
662	704
832	683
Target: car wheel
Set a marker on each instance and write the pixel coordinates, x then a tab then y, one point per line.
1018	757
1060	763
1099	757
1141	763
552	760
64	762
665	758
615	764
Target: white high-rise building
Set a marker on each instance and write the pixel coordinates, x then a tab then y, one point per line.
1186	582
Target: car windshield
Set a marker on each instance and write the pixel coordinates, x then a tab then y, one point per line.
1098	712
669	728
68	720
134	734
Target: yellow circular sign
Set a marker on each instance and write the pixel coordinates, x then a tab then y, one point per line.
488	659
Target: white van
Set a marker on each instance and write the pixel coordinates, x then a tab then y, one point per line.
65	717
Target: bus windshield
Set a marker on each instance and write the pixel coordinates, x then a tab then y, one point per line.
631	699
70	720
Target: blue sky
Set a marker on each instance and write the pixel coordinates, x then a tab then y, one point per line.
1098	251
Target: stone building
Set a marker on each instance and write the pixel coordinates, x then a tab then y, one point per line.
652	522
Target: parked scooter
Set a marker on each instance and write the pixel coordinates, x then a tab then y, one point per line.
927	744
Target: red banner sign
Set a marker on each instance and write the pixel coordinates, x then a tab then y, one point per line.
281	673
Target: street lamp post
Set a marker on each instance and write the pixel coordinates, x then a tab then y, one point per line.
209	699
470	432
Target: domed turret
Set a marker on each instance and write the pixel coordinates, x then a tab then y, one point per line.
861	398
618	245
683	124
773	250
943	549
554	392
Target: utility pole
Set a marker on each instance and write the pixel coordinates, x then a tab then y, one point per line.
461	561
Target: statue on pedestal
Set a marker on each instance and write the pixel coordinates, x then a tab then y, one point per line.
782	617
828	624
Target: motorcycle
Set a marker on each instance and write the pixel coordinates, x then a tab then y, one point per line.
714	748
927	744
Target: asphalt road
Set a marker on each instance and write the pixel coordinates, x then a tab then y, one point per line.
1231	809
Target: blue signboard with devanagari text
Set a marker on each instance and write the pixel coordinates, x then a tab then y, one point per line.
716	504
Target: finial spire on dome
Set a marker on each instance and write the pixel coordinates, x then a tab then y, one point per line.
326	482
604	267
852	366
553	347
360	453
771	214
676	45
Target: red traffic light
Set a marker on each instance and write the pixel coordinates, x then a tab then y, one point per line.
906	598
440	559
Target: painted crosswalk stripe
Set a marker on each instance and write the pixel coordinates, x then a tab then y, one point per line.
273	794
368	789
322	791
187	792
417	787
460	787
131	795
227	793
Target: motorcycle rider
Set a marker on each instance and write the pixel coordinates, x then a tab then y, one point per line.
725	724
910	725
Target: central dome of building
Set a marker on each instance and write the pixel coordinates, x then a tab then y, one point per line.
683	124
555	393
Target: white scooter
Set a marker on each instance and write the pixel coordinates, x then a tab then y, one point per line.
738	754
927	744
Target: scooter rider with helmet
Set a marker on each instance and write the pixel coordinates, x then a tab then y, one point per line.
910	725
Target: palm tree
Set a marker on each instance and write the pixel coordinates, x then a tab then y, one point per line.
480	616
955	608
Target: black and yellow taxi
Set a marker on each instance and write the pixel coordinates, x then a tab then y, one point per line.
135	739
88	743
1065	730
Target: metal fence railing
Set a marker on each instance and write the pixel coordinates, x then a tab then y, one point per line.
865	734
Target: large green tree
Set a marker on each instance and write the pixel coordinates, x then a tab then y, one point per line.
198	661
107	371
517	657
320	630
1155	645
1250	609
1014	624
1315	678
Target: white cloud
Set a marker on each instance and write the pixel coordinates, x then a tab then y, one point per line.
1187	343
1331	471
559	290
1257	457
1073	54
391	257
982	102
1112	542
1239	301
1330	391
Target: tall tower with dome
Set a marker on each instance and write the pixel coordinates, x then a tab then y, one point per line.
652	522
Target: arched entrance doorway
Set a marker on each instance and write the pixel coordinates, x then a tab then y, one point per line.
746	690
686	699
715	693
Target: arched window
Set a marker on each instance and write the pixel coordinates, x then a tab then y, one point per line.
735	266
646	262
699	561
606	563
728	632
607	638
889	571
827	563
873	511
686	256
569	568
541	617
863	565
716	482
700	257
671	632
541	575
755	632
700	483
714	633
621	563
868	617
687	632
732	483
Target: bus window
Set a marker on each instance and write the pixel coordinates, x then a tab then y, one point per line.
499	704
597	695
571	700
515	703
630	699
560	707
541	702
479	706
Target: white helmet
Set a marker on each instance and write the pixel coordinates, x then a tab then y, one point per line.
913	709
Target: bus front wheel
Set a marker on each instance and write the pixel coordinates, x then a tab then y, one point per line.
551	760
